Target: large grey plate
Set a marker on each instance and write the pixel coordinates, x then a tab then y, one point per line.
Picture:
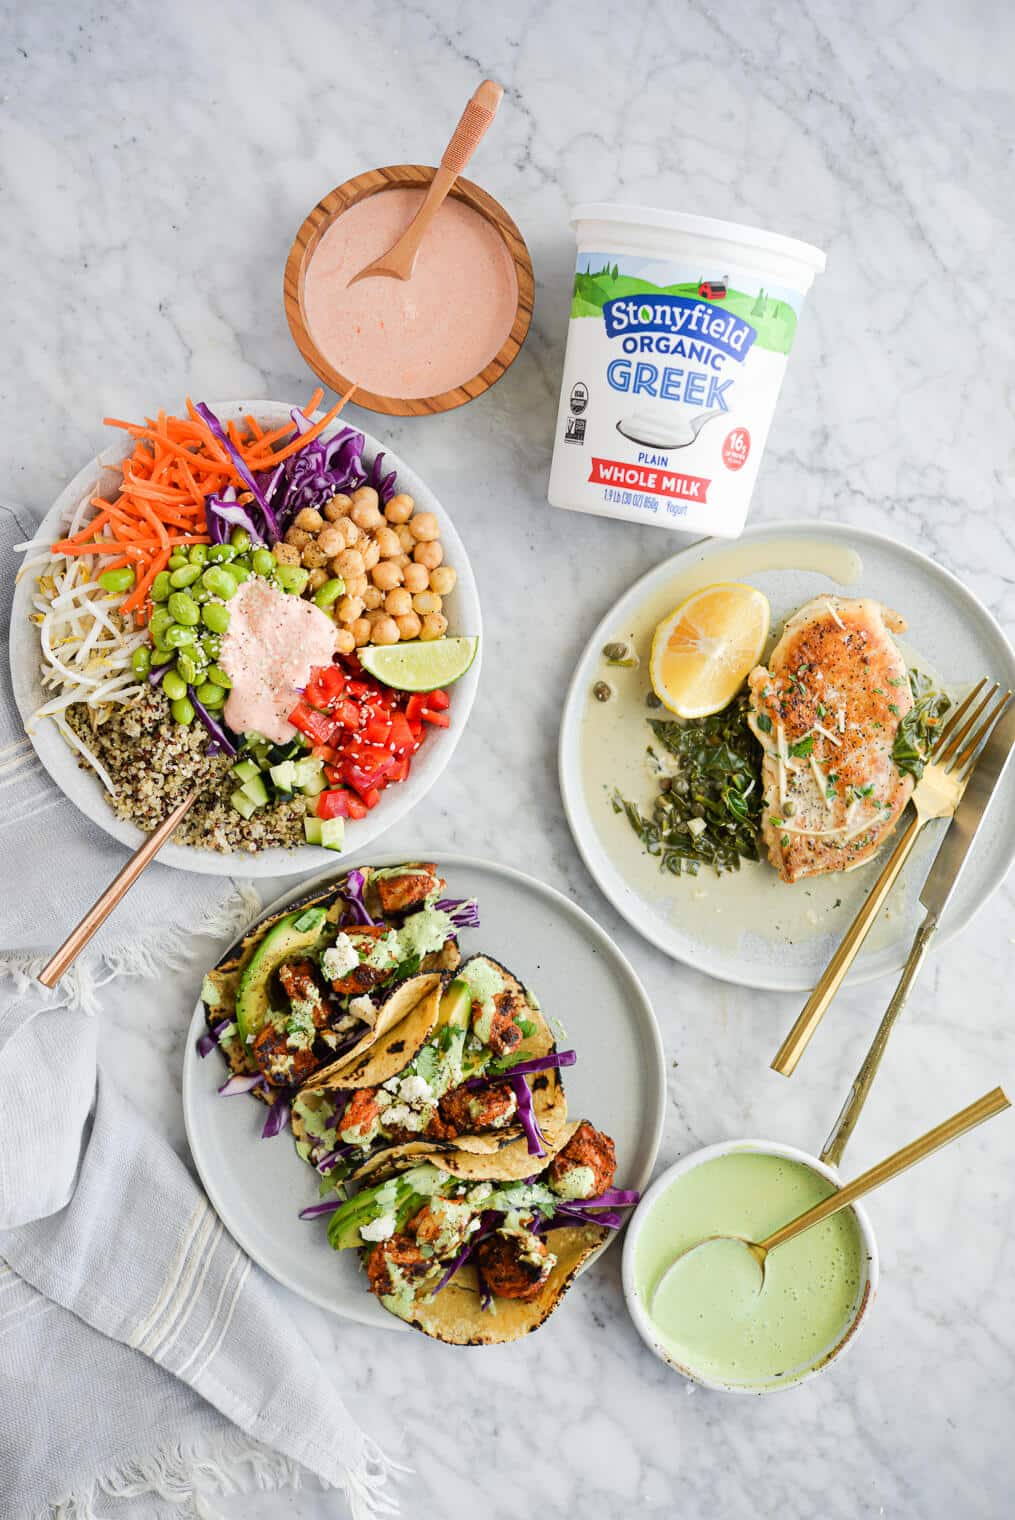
259	1186
85	789
947	624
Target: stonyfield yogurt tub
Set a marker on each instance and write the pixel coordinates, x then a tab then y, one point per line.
679	335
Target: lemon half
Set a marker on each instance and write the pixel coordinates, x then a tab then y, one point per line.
703	652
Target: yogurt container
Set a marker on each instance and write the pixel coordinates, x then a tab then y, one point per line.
679	335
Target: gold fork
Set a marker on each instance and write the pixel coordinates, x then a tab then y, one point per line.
936	795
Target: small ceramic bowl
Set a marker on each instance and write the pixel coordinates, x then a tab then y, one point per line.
639	1310
375	182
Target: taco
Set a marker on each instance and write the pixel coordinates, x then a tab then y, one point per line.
473	1070
312	987
472	1256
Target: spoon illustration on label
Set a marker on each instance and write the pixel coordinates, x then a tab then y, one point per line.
669	432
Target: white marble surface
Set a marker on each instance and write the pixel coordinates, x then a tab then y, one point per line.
156	161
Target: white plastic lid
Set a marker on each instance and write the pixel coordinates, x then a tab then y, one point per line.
700	226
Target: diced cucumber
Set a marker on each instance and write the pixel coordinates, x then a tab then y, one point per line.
255	790
283	775
243	804
332	833
314	786
312	827
307	770
245	770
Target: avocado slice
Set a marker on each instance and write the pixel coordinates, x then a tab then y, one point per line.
456	1005
295	934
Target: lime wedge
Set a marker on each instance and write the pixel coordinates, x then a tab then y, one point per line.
419	665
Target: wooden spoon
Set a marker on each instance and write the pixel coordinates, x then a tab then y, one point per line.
400	258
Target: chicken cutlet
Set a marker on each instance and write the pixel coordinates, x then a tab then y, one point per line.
826	710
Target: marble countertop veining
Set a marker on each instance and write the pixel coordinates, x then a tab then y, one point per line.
156	162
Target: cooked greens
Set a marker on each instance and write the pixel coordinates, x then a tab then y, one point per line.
708	812
916	734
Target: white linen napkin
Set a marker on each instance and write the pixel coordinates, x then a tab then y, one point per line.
141	1352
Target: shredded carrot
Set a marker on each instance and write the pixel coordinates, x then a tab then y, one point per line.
304	438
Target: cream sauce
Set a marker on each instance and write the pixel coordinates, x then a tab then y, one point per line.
272	642
720	911
415	337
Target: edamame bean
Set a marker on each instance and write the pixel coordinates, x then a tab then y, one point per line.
200	593
141	660
218	554
174	685
183	609
210	695
215	617
160	587
218	675
182	710
177	636
262	562
241	562
161	619
239	572
329	592
240	540
177	559
211	646
198	554
186	575
219	581
187	667
292	578
117	580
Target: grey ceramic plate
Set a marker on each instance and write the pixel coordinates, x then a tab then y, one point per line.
259	1186
948	626
85	789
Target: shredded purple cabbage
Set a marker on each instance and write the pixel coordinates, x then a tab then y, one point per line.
217	731
221	511
525	1068
279	1115
240	1084
352	891
157	672
487	1226
206	1044
526	1116
462	911
271	527
315	1210
332	1159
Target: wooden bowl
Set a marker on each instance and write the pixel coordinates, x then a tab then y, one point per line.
375	181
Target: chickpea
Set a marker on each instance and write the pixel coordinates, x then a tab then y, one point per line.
365	516
298	537
350	562
387	542
442	580
314	556
401	560
331	541
428	554
400	508
417	577
337	507
375	616
385	631
423	527
371	553
365	496
425	602
355	585
435	626
344	641
349	532
318	577
361	631
373	597
408	626
405	538
398	602
286	554
350	609
310	519
387	575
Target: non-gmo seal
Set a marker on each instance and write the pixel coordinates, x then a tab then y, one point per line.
579	398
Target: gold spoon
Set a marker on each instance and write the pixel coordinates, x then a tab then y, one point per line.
397	263
984	1108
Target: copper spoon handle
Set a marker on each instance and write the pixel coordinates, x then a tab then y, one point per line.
118	888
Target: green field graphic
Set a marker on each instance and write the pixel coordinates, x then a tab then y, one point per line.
773	320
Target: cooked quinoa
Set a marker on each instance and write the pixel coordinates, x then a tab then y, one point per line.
153	762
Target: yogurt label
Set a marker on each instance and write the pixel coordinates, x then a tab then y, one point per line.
671	378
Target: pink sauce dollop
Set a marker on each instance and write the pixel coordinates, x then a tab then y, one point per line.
268	650
416	337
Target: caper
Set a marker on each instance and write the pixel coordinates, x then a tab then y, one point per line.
616	651
602	691
653	701
789	809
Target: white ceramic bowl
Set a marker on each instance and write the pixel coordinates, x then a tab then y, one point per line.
85	789
639	1311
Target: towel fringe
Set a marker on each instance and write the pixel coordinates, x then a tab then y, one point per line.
187	1478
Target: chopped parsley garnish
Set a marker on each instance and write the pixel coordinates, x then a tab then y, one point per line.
915	736
764	722
802	748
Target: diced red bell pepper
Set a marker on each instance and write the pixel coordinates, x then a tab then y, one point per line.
325	752
359	688
326	684
414	707
316	726
340	804
372	798
377	730
438	719
348	714
438	700
400	736
401	770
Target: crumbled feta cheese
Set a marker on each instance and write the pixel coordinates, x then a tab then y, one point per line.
381	1229
415	1090
340	958
363	1008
